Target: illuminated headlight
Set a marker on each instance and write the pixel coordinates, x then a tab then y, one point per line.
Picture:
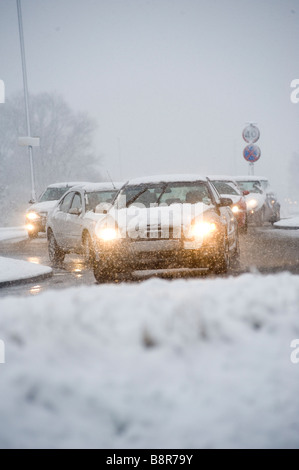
200	229
107	234
252	203
32	216
29	227
235	209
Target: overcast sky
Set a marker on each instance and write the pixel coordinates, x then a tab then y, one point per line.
171	83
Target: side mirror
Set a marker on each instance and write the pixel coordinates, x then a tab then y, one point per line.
225	202
245	193
75	211
31	201
103	208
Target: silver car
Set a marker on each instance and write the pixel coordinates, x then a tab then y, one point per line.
166	222
71	224
262	204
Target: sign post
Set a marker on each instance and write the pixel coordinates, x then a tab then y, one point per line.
251	152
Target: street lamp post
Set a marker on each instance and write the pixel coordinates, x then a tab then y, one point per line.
33	193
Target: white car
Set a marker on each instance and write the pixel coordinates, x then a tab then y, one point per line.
166	222
227	187
262	203
71	224
37	213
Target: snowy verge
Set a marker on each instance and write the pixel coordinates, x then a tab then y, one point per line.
289	223
203	363
13	234
12	271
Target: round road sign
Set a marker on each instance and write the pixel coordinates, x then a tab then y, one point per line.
251	153
251	134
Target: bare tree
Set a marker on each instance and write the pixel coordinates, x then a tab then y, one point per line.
65	154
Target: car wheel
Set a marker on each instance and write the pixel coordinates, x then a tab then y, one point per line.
244	229
102	274
88	251
222	259
56	254
260	218
235	258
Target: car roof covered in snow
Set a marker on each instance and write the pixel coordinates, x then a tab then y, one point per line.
222	178
104	186
174	178
66	184
250	178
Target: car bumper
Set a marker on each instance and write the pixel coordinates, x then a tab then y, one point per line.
156	254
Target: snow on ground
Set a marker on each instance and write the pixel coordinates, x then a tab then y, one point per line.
291	222
179	364
13	270
13	234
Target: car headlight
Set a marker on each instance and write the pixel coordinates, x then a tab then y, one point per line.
29	227
235	209
201	229
107	234
32	216
252	203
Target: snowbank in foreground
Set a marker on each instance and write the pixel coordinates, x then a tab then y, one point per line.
162	364
13	269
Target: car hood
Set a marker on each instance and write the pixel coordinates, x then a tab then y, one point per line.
44	206
138	219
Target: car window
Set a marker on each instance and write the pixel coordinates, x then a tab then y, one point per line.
53	194
251	186
97	197
224	187
181	193
66	202
142	194
77	202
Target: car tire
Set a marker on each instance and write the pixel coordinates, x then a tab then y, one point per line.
243	230
88	250
102	274
56	254
260	217
235	262
221	263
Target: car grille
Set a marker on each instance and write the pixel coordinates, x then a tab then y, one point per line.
162	233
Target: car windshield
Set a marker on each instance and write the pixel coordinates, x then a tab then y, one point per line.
167	194
53	194
97	197
225	187
251	186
